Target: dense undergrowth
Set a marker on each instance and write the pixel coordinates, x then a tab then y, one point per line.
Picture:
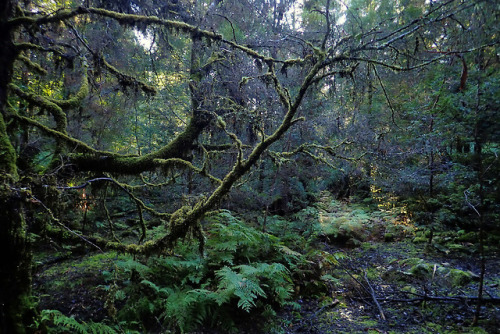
302	273
242	271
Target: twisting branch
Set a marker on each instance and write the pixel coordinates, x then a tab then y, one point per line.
124	79
70	141
44	104
469	204
306	149
174	162
31	65
108	216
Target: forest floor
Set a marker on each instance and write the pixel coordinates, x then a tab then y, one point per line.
391	269
383	283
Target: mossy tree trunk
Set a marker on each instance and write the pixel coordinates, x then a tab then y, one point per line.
16	308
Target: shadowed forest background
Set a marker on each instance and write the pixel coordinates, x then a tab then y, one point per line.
255	166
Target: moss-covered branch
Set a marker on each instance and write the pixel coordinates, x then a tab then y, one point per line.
44	104
179	147
134	20
187	220
77	99
69	141
31	65
280	157
128	80
234	138
215	147
55	17
141	206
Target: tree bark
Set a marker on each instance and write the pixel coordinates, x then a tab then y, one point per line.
16	306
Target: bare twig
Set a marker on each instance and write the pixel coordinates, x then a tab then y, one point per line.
374	297
51	214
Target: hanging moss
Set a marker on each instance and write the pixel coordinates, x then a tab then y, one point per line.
140	20
58	16
129	81
77	99
43	103
168	164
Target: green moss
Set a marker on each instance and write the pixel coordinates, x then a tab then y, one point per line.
76	100
420	240
44	104
7	153
127	80
467	237
460	278
59	135
421	270
388	237
31	65
179	148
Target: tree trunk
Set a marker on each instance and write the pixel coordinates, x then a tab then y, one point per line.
16	306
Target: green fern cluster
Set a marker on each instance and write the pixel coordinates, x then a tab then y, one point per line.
231	241
243	270
247	283
59	323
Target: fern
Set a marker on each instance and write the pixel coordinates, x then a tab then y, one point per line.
159	291
60	323
180	271
249	283
232	241
275	276
187	309
243	267
131	266
233	284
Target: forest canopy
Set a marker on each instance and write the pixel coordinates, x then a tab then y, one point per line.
161	117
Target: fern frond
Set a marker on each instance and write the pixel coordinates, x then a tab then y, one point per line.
68	324
131	265
159	291
232	284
